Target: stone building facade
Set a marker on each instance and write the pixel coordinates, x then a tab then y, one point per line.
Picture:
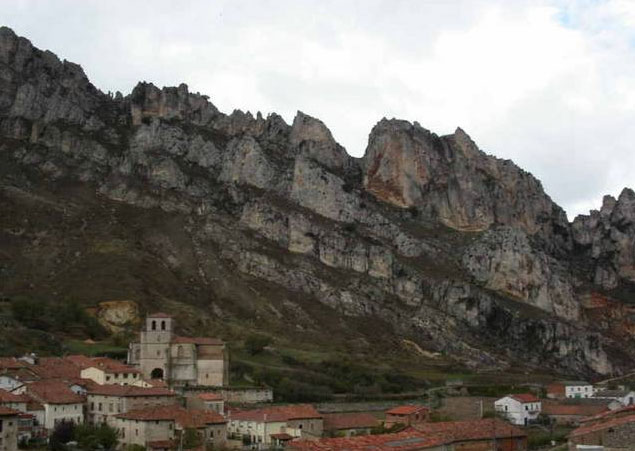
8	429
180	361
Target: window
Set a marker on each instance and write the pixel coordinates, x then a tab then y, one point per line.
526	407
162	325
136	432
99	407
92	406
154	325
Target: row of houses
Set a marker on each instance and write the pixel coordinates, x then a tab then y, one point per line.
471	435
586	390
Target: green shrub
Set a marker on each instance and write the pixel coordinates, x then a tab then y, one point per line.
255	344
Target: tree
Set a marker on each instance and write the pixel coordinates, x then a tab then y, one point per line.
191	439
255	344
61	435
90	437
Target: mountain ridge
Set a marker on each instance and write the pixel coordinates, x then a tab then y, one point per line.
459	251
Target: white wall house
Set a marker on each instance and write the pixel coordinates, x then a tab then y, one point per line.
9	383
624	397
520	409
578	389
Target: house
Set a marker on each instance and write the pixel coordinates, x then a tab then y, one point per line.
162	427
259	426
108	371
519	409
8	429
181	361
349	424
569	389
12	401
208	401
13	378
471	435
406	415
59	402
612	429
624	397
104	402
406	440
571	414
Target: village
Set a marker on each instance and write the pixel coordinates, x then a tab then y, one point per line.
174	393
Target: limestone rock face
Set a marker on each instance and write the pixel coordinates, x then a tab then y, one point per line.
148	101
454	250
450	179
311	136
607	238
504	261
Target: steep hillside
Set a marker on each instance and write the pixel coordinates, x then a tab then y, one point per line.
239	224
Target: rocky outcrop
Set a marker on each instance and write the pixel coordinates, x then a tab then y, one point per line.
450	179
455	250
607	239
504	261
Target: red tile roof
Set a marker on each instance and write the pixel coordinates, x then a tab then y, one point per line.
112	366
6	412
407	440
7	363
187	418
56	367
277	413
583	410
162	444
128	391
588	428
156	382
471	429
210	396
198	340
524	397
282	436
628	410
425	435
8	397
79	360
339	421
159	315
53	392
405	410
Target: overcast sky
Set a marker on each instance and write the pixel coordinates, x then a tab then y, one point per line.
548	84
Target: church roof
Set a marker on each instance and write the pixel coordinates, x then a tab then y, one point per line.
159	315
198	340
129	391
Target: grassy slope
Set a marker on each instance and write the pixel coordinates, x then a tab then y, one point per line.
63	244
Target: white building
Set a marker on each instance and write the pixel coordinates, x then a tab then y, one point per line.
519	409
625	397
267	426
578	389
59	401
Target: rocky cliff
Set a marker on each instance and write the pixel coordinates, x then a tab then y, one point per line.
158	196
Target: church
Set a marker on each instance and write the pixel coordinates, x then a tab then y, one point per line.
180	361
